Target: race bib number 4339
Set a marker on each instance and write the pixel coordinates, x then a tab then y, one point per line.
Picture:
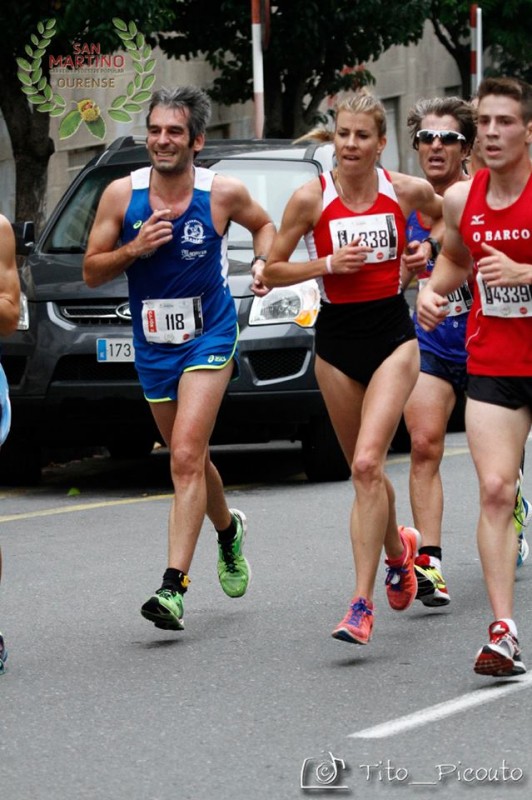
172	321
378	231
505	301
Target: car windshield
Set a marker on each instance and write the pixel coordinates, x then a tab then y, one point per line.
270	181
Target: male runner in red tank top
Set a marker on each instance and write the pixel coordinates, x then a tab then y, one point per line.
489	221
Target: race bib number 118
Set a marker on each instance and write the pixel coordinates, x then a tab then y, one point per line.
172	321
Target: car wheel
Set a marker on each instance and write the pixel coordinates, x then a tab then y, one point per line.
138	445
20	461
323	459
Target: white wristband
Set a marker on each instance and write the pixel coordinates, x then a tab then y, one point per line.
328	264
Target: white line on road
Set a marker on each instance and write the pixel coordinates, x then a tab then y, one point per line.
442	710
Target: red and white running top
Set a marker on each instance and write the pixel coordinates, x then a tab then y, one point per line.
499	328
383	227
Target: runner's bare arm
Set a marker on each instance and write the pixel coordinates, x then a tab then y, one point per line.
416	194
231	201
103	259
453	265
300	216
9	280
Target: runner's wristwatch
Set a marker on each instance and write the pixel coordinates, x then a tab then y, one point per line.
435	247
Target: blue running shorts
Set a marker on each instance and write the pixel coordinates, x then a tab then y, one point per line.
160	366
5	407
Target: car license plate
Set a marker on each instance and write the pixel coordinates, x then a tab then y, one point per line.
111	350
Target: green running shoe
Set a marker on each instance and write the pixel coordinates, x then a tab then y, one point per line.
234	571
522	518
165	610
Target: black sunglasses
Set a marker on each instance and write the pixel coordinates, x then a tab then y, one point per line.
445	137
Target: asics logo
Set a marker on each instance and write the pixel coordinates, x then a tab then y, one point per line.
137	225
477	219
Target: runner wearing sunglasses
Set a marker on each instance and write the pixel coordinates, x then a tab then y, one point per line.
428	136
443	130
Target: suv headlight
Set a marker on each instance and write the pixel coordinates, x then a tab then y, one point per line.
299	304
24	318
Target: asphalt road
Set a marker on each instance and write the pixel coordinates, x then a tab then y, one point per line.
254	696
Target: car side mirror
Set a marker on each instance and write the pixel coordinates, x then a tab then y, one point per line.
24	237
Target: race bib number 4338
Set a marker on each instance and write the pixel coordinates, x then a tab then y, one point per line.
378	231
172	321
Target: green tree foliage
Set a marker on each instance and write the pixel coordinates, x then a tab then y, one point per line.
75	21
311	42
506	35
509	30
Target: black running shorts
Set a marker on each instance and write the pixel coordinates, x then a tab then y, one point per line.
357	337
509	392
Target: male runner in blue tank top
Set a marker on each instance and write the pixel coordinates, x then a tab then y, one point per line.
171	220
443	131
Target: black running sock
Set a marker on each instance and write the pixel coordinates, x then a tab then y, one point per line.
226	536
430	550
175	580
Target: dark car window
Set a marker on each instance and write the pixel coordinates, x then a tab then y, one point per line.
71	230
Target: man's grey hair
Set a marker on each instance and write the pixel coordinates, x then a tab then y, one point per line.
188	98
455	107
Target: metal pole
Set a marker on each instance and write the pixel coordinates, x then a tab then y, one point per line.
475	22
479	47
258	74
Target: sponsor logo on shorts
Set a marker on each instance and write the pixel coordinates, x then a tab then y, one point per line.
217	359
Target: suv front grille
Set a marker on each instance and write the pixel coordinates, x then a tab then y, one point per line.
87	368
96	314
271	364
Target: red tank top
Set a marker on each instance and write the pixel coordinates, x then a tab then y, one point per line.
383	227
499	345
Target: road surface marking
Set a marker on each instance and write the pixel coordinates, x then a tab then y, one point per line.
49	512
443	710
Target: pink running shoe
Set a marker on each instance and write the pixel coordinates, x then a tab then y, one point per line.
357	625
401	582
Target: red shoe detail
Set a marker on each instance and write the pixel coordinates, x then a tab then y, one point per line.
401	582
